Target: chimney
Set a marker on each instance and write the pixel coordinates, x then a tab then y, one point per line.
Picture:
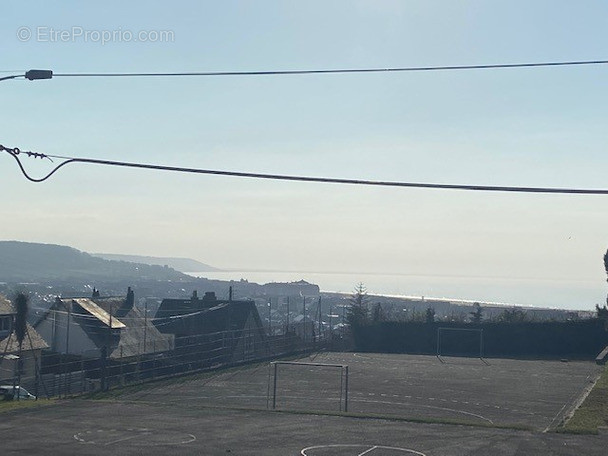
130	299
126	306
209	297
194	295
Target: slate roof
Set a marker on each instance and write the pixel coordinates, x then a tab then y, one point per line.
9	344
136	328
129	324
192	317
32	341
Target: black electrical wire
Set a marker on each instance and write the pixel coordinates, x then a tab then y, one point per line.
295	178
341	70
4	78
307	72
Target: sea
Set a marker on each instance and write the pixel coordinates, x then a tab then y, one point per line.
545	293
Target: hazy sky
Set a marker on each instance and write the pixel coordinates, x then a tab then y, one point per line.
528	127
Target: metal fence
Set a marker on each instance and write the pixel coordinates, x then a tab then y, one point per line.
63	375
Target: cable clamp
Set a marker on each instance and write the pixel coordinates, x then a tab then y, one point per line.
16	151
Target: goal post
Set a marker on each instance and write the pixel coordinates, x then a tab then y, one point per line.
292	371
475	344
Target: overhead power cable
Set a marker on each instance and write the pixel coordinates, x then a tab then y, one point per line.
340	70
15	152
48	74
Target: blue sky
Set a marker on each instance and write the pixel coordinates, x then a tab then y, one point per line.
531	127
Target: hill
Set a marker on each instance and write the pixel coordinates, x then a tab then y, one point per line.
33	262
179	264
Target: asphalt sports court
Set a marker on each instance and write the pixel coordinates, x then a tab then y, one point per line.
397	404
504	392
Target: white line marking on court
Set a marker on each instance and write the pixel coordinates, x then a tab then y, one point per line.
139	433
80	439
124	439
192	438
368	450
430	407
573	402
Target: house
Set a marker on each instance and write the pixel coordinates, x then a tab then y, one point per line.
212	330
14	362
85	325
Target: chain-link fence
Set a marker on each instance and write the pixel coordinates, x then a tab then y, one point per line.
63	375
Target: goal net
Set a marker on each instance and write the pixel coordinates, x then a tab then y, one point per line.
307	386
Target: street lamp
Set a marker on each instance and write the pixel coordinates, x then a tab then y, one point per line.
31	75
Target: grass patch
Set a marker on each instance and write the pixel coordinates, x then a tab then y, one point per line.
6	406
594	411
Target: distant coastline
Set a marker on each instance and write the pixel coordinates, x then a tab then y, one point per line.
545	293
179	264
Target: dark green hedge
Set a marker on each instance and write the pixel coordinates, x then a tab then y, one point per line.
583	338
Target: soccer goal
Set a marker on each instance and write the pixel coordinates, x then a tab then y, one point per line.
311	386
466	342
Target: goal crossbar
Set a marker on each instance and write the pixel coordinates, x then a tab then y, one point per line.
297	363
343	379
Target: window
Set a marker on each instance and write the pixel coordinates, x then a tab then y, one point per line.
5	324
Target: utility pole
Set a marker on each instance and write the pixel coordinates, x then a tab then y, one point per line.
67	331
330	323
109	329
145	325
67	377
20	329
319	333
287	314
270	316
105	354
304	317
